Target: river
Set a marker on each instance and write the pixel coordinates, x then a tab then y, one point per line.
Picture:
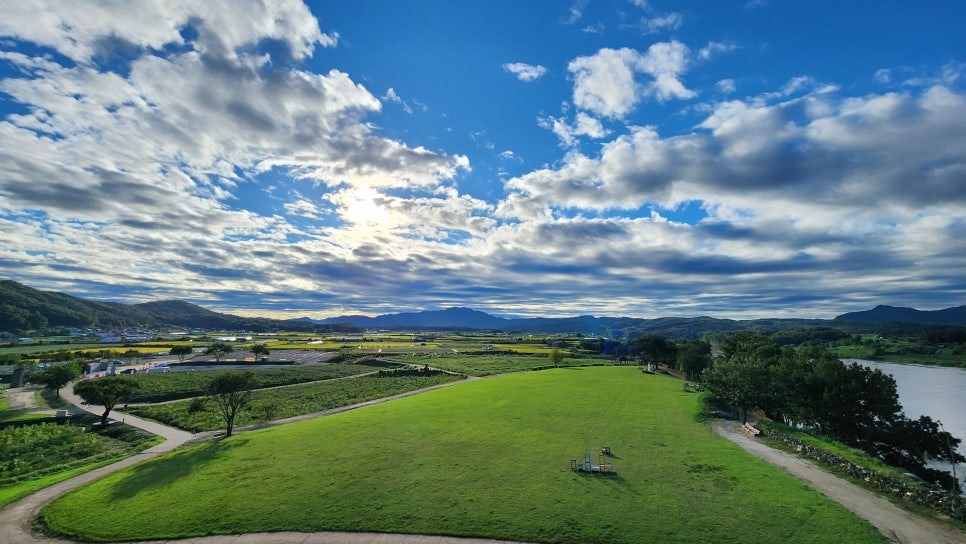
934	391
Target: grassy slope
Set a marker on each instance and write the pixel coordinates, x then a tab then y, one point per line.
488	458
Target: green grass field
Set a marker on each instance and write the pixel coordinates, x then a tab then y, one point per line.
484	458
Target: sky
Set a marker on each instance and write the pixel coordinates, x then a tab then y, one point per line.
642	158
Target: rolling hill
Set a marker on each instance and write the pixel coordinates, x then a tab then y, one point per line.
23	308
893	314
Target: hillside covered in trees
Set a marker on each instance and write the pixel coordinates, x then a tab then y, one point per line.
23	308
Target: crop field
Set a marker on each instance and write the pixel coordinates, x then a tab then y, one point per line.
488	365
487	458
270	404
179	385
33	456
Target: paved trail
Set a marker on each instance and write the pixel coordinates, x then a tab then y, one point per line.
896	524
16	518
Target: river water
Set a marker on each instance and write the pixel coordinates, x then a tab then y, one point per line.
934	391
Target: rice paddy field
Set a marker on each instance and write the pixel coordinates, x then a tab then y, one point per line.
487	458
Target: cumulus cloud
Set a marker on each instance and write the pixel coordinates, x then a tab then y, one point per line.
788	189
524	71
583	125
143	158
83	30
844	153
606	83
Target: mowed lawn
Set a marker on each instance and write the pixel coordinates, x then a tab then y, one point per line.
485	458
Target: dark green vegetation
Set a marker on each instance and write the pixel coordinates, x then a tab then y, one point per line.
23	308
488	458
812	389
167	386
892	314
230	393
35	455
57	376
944	346
282	402
107	392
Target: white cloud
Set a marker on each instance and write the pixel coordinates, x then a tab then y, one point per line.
726	86
524	71
575	12
883	75
880	156
304	208
583	125
671	21
714	48
144	163
606	83
81	30
395	99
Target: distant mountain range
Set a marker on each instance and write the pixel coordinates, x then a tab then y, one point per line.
893	314
24	308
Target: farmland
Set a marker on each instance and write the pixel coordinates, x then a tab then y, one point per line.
68	447
278	403
485	458
178	385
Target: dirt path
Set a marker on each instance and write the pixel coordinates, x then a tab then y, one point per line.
896	524
24	398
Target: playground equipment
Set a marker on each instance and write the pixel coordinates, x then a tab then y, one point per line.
587	466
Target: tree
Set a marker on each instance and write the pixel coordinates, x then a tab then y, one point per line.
106	392
556	356
231	392
657	348
693	357
735	381
259	350
57	376
218	350
131	355
181	352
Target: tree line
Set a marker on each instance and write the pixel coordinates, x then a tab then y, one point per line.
811	389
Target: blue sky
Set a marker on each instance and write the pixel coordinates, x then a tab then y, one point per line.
612	157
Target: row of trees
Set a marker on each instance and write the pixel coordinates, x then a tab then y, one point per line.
688	356
812	389
228	392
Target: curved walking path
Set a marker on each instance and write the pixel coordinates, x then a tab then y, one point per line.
896	524
16	518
